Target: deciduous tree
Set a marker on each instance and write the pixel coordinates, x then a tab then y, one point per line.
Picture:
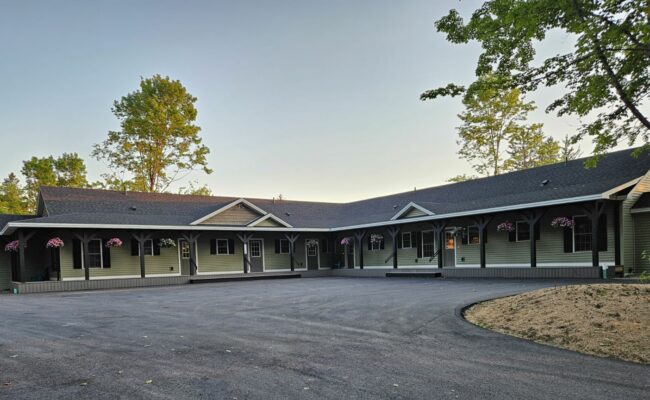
158	142
605	76
68	170
12	199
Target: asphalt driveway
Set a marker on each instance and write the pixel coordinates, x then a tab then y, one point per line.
301	338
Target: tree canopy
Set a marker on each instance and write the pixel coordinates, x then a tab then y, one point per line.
68	170
606	76
159	142
12	199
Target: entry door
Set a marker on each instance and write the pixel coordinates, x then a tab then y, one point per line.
256	255
450	249
312	253
184	256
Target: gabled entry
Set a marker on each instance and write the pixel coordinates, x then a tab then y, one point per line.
238	213
411	210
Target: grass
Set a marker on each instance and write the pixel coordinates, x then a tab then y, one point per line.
601	319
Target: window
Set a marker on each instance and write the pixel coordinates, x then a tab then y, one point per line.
256	248
148	247
222	246
312	251
95	253
185	249
470	235
406	240
285	246
427	244
376	244
523	231
326	247
581	234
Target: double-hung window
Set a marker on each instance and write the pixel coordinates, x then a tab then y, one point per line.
285	246
581	234
95	254
523	231
407	240
222	246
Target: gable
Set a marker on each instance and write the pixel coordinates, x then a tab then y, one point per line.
413	212
269	222
239	214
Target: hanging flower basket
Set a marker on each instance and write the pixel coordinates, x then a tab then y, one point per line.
506	226
55	243
114	242
376	238
311	243
12	246
167	243
346	241
562	222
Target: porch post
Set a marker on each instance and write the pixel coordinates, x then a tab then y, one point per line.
482	222
359	235
85	238
292	239
617	233
533	217
21	256
141	238
192	239
594	212
245	238
393	232
439	233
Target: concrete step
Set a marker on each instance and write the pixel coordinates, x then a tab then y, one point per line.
243	277
413	274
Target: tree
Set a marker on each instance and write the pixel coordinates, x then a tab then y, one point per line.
605	76
193	188
68	170
490	118
568	149
158	142
461	178
12	200
528	148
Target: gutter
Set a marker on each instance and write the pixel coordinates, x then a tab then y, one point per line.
11	226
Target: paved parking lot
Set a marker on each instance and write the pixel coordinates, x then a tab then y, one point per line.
302	338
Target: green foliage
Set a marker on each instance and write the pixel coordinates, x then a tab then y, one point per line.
158	142
569	149
605	76
494	137
193	188
461	178
644	277
12	200
68	170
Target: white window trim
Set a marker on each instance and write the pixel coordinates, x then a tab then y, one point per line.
469	243
373	244
410	240
145	246
227	253
573	234
434	245
101	255
288	247
261	252
517	231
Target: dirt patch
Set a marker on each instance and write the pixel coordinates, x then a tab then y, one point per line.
603	320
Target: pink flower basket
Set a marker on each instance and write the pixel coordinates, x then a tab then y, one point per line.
114	242
55	243
506	226
562	222
346	241
12	246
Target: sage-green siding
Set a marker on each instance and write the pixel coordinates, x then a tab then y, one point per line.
219	263
5	270
642	241
628	241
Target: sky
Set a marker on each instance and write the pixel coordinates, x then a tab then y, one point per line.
316	100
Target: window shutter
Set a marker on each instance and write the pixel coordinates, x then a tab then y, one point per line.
568	240
213	246
399	239
231	246
156	247
323	245
418	244
512	236
381	244
537	230
465	236
135	247
602	233
76	253
106	254
369	243
277	246
56	258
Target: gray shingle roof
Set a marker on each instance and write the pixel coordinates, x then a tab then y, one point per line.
565	180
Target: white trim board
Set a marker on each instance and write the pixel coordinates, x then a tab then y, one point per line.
269	216
408	207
